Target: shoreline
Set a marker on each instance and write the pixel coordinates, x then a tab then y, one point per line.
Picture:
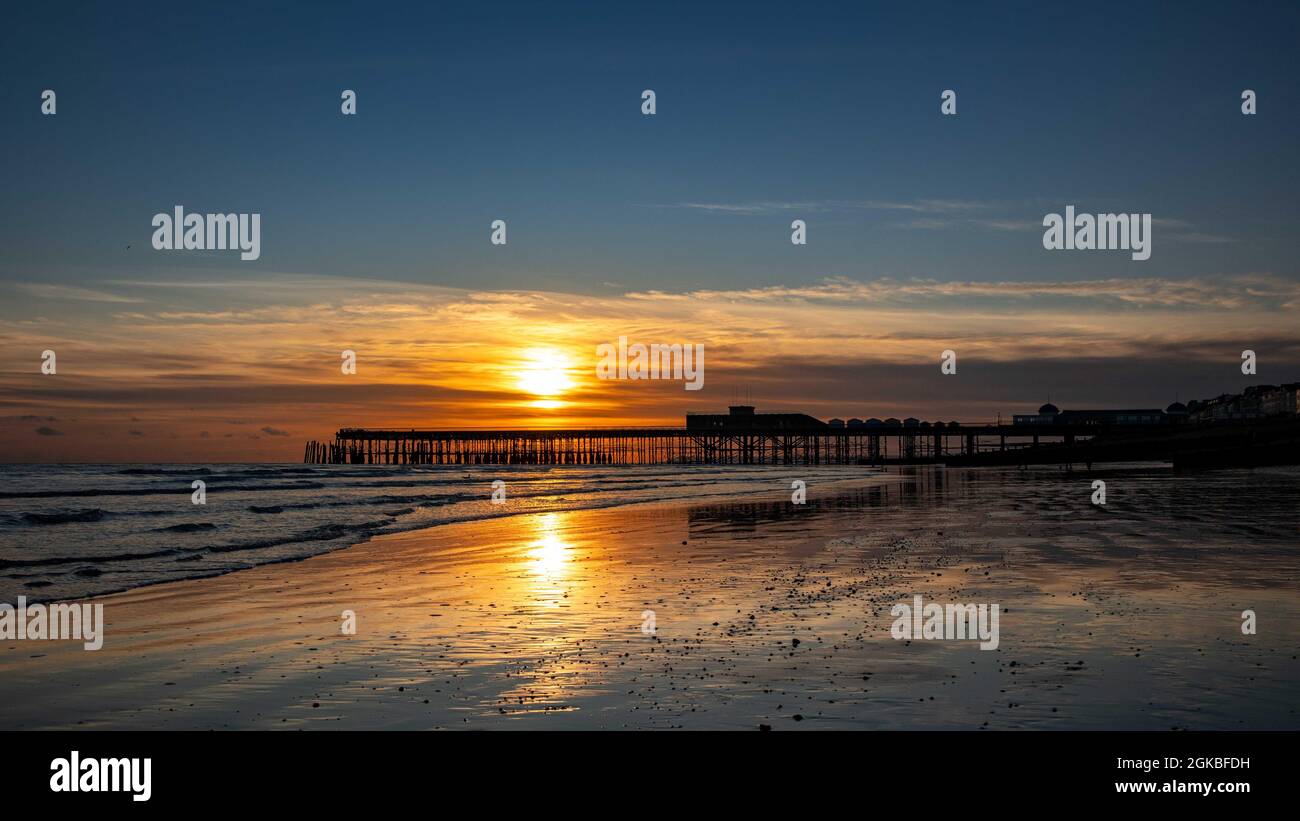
536	620
34	595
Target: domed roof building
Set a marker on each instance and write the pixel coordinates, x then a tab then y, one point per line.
1049	409
1177	407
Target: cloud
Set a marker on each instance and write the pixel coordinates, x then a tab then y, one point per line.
941	215
1197	237
45	291
1261	292
442	357
928	206
47	431
946	223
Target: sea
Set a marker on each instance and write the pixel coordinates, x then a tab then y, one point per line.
72	531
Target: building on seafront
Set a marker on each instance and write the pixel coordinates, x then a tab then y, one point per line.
1255	402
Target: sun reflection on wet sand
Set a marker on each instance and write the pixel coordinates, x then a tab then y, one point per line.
1130	621
550	554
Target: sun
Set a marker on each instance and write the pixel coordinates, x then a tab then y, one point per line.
544	372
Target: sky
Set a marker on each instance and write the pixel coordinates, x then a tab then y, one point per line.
924	231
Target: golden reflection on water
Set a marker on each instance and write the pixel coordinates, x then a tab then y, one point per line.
549	553
556	611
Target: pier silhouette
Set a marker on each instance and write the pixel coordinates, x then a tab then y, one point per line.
744	437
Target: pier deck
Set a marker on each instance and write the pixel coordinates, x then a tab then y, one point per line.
883	444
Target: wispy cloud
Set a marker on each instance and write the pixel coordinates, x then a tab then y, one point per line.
1198	237
939	215
818	206
49	291
1258	292
947	223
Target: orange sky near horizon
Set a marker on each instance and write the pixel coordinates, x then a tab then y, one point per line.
234	371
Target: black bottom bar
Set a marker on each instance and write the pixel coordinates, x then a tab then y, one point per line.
545	772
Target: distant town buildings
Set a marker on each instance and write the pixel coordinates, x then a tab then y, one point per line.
1256	402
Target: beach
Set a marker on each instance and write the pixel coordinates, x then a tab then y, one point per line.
765	614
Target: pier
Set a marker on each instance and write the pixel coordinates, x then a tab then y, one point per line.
779	443
744	437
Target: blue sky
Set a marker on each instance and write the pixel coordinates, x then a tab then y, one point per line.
924	231
531	113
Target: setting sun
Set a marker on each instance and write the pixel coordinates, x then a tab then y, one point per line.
544	372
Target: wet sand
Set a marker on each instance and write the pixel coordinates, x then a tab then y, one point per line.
765	612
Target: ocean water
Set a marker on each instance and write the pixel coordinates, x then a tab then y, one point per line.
71	531
1123	616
